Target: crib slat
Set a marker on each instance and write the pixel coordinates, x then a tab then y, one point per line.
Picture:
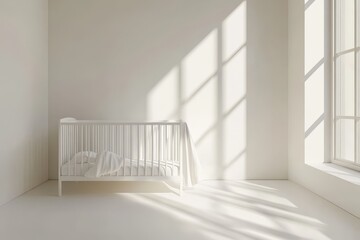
145	139
87	148
71	142
166	150
92	138
108	138
182	148
159	148
76	147
115	135
95	138
64	145
175	146
89	139
98	139
131	148
82	146
61	150
78	143
152	150
116	142
138	149
67	148
112	138
113	144
103	137
71	145
178	149
123	148
172	149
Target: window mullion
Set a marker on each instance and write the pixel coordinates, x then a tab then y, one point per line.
355	85
335	38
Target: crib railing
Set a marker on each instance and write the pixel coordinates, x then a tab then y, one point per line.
150	144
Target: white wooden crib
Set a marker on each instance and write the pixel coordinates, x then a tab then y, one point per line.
150	151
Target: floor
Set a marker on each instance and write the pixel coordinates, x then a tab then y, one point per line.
212	210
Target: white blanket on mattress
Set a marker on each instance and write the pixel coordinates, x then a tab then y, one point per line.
105	163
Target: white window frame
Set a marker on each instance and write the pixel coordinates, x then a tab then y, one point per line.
356	118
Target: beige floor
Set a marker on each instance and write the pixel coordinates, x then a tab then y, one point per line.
213	210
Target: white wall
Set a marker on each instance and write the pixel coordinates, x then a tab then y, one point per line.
219	65
309	92
267	90
23	96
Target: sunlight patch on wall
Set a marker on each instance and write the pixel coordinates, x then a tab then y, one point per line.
199	65
234	80
162	100
207	89
234	31
235	141
207	148
314	145
233	87
314	82
199	89
314	97
200	111
314	34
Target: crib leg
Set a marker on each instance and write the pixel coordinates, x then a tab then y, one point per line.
60	187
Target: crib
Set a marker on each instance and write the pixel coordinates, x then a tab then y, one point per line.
150	151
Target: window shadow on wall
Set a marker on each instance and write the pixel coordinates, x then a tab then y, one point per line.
207	89
317	75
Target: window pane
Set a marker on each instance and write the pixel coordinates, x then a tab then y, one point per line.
345	85
344	25
345	139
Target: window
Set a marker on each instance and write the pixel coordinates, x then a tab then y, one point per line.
346	83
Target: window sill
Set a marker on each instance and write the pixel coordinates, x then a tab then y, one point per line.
343	173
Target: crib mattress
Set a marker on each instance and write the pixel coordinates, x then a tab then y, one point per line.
169	169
